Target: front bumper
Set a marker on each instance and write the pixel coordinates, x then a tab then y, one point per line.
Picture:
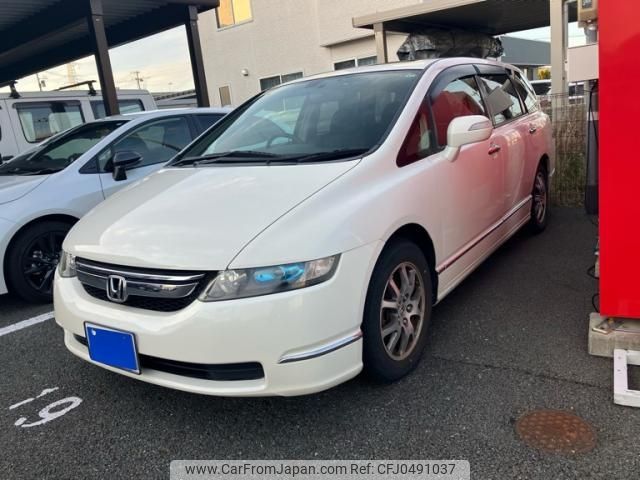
306	340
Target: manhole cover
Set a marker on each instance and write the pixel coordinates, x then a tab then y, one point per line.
555	431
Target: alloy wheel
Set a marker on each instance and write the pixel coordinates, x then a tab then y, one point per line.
402	311
40	260
540	197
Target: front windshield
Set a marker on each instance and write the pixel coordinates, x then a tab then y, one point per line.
58	153
312	119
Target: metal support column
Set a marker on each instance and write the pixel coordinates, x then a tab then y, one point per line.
380	33
101	49
559	43
197	62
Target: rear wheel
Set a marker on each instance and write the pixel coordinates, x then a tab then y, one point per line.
33	258
540	200
397	312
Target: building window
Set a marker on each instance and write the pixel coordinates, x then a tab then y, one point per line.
344	64
233	12
270	82
289	77
225	95
364	61
356	62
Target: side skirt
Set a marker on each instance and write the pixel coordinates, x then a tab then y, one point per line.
488	241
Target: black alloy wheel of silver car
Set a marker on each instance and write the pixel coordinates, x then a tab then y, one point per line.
540	200
397	312
32	260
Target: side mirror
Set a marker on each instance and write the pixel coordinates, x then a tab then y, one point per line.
122	161
467	130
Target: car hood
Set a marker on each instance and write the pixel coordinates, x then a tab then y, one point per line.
13	187
195	218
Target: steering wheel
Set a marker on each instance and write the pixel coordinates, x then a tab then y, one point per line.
73	157
290	136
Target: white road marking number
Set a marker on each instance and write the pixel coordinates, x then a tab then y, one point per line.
48	413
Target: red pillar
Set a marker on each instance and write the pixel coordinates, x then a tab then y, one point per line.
619	22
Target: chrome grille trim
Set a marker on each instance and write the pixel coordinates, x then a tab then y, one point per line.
139	288
139	283
106	271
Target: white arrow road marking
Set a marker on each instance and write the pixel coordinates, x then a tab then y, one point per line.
26	323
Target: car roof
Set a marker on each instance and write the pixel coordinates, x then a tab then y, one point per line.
409	65
167	112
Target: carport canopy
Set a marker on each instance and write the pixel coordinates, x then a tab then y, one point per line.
492	17
41	34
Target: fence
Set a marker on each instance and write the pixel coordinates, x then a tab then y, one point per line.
569	119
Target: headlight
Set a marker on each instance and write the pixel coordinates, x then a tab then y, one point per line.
253	282
67	265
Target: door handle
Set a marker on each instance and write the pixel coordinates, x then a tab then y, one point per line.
533	129
494	148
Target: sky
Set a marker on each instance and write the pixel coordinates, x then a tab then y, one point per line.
576	34
163	62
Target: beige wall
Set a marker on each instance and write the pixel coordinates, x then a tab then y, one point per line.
287	36
335	16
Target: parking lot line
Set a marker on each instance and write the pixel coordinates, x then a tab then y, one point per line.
25	323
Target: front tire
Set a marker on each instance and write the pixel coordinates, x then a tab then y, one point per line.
397	312
33	258
540	200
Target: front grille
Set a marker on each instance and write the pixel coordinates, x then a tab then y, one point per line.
146	303
147	289
226	372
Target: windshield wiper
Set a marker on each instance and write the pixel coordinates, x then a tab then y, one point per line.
213	158
331	155
249	156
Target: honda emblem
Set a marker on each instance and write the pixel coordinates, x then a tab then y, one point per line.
117	289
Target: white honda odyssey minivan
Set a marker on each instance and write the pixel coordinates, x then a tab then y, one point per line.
308	234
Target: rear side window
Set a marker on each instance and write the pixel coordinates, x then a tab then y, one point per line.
41	120
126	106
206	120
501	97
459	98
526	93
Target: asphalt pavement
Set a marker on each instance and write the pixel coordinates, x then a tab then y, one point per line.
511	339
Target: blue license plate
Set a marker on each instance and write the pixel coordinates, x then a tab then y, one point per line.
114	348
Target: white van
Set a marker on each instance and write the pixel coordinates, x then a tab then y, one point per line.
32	117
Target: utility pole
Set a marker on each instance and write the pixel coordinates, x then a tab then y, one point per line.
72	74
138	78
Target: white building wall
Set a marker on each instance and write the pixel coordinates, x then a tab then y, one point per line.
287	36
